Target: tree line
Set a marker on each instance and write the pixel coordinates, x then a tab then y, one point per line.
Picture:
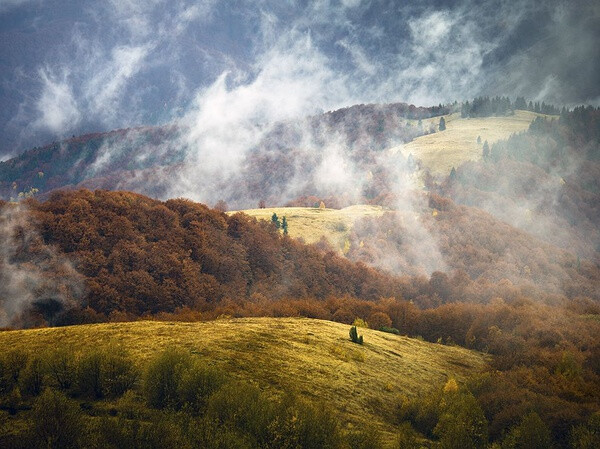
503	106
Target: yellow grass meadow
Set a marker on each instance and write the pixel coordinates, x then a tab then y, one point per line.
313	358
442	150
312	223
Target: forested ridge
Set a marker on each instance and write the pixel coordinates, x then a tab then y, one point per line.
512	239
181	260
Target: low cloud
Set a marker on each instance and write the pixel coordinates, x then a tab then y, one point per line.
32	275
57	108
104	91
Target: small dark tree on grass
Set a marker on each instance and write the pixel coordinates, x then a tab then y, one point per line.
355	337
275	220
442	124
284	225
453	174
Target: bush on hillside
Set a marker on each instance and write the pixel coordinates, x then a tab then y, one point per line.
163	377
389	330
56	421
31	379
105	373
196	386
61	368
11	365
354	337
531	433
462	424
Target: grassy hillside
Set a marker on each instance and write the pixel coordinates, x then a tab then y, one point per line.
311	223
443	150
311	357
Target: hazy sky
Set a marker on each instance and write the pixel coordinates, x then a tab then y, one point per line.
68	67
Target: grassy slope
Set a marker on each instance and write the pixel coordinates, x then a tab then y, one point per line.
312	223
439	152
311	357
443	150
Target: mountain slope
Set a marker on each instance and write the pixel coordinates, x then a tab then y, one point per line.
459	238
441	151
313	358
177	160
313	223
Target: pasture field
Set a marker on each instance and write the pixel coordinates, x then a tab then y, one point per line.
442	150
312	223
312	358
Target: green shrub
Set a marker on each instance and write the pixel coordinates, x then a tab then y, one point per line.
207	434
106	372
117	372
389	330
242	406
197	384
531	433
340	226
462	424
56	421
163	377
11	365
61	368
355	337
162	431
318	428
31	379
423	412
132	406
89	375
586	436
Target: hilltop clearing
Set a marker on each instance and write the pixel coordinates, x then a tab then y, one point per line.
544	181
313	223
455	238
442	150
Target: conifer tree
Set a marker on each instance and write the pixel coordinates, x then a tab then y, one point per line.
275	220
355	337
442	124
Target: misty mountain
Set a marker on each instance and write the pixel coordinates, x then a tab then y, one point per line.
83	255
544	181
78	67
287	160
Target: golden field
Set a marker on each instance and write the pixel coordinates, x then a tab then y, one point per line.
313	358
312	223
442	150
